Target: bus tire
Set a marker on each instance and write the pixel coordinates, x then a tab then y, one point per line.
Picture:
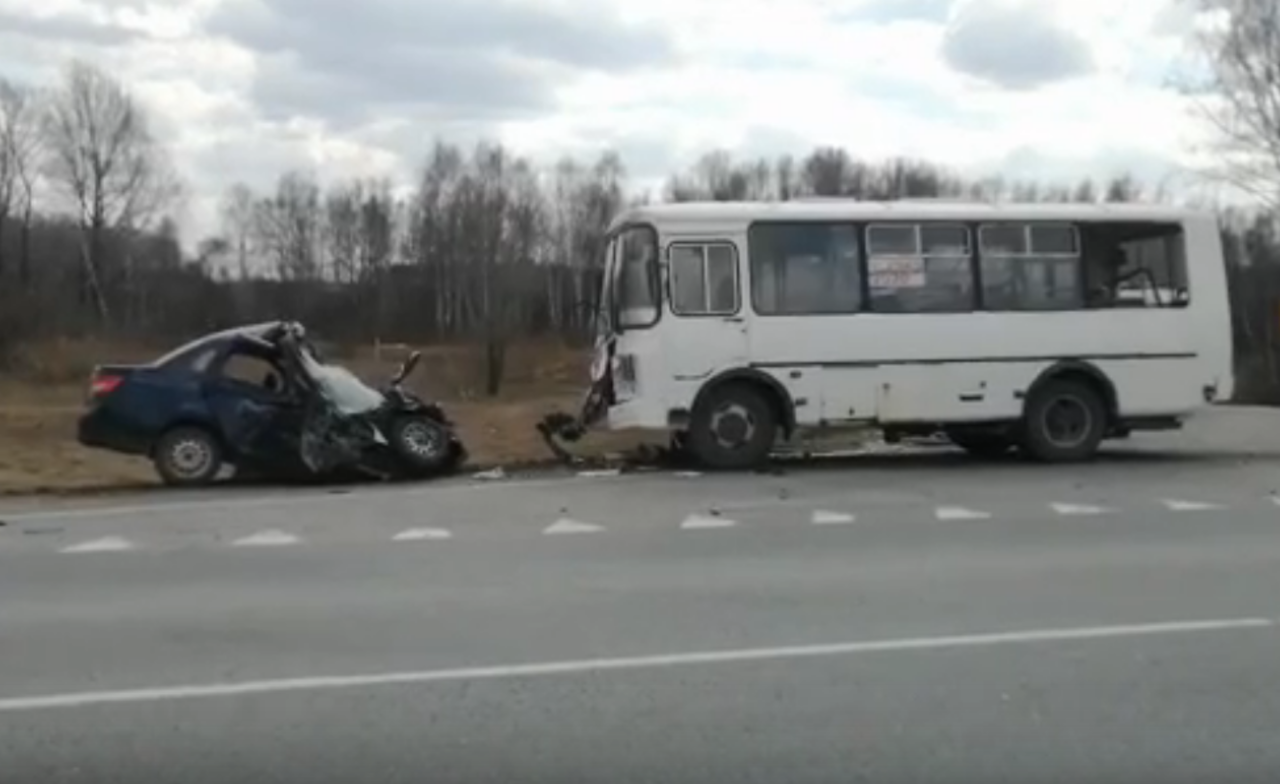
734	427
1064	421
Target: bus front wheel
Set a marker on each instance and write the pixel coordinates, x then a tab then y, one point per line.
733	428
1064	421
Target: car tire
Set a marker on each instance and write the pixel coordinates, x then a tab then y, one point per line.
733	428
1065	420
421	442
987	446
187	456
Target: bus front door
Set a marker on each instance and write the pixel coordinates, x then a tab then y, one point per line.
704	289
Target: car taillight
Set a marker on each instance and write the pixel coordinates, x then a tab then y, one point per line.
100	386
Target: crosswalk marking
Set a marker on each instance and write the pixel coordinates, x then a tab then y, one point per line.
420	534
823	517
702	522
567	526
959	513
270	538
1079	509
1175	505
109	544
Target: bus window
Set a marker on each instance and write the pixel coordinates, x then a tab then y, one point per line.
637	278
1030	266
919	268
1137	265
704	279
804	268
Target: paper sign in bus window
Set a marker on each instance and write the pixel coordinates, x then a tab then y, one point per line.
896	272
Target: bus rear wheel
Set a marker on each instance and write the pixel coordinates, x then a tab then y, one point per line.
1064	421
733	428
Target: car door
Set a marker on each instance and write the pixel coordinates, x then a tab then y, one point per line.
258	415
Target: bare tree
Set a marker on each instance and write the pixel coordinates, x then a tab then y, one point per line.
236	214
1240	97
19	151
104	159
342	206
287	227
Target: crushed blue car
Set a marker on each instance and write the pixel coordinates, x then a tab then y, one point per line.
261	399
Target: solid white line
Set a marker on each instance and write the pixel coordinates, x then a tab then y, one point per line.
959	513
196	691
419	534
270	538
110	544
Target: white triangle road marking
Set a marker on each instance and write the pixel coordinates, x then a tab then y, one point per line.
702	522
823	517
419	534
109	544
1175	505
269	538
566	526
1079	509
959	513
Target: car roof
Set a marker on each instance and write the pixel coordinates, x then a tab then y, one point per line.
251	331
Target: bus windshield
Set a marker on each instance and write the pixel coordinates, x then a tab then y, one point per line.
635	298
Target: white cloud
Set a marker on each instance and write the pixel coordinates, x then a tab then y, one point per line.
243	93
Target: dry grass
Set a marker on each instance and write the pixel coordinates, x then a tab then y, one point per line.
39	404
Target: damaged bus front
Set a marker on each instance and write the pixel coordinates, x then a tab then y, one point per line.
629	305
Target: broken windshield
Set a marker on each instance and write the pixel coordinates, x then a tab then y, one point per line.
347	392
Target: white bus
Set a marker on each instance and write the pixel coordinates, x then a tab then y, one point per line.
1040	327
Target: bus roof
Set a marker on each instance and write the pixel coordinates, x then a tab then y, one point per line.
906	209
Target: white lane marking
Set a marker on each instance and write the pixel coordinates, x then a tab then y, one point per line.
702	522
1079	509
959	513
687	474
271	538
566	526
109	544
823	517
600	474
419	534
573	667
1175	505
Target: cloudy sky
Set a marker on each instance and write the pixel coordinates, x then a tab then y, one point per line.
244	89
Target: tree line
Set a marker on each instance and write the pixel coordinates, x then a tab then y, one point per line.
485	245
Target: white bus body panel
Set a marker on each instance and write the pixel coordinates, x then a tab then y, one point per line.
931	367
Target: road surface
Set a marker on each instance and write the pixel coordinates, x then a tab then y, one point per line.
890	619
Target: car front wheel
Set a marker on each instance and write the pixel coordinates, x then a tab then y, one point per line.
421	442
187	457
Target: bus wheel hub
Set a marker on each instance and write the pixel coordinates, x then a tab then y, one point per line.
732	426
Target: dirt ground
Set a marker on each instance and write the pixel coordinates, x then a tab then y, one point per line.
40	401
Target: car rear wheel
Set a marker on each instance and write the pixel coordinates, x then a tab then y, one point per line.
187	457
421	442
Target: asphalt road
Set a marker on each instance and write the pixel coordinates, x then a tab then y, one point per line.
910	618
